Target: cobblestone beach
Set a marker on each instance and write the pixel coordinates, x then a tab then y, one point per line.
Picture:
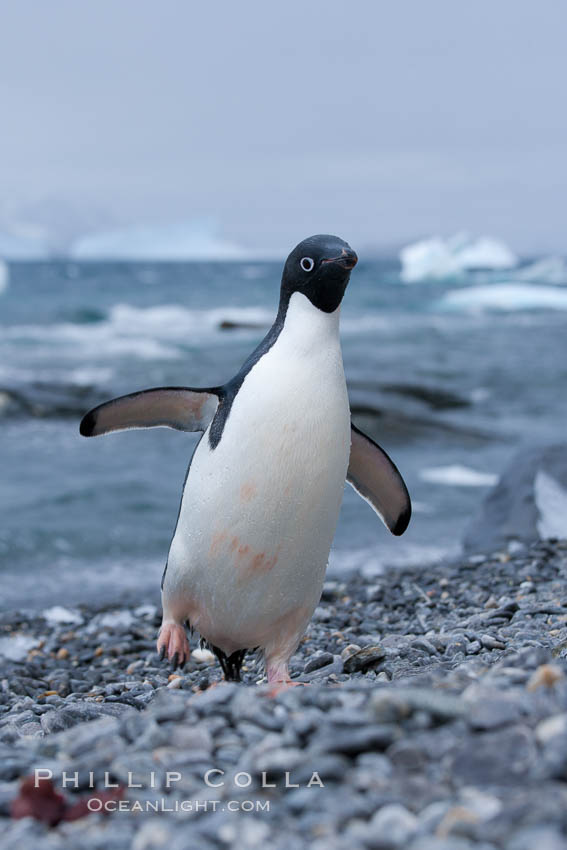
434	717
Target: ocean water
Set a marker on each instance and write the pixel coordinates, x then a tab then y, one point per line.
451	379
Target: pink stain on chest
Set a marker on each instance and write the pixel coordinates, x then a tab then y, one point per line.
238	549
257	564
263	563
246	560
216	543
251	563
247	491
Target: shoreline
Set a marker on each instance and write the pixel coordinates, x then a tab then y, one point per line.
436	718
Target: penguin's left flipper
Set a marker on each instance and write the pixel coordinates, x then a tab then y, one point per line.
376	478
182	408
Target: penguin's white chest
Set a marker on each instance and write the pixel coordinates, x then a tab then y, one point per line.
259	511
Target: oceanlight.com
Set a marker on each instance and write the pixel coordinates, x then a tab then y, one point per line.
213	778
95	804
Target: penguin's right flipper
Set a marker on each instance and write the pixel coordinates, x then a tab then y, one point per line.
182	408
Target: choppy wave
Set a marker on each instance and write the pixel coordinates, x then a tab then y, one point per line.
165	332
373	561
148	333
506	296
99	340
171	321
159	332
78	580
83	376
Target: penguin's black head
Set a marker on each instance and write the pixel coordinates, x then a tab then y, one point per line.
319	268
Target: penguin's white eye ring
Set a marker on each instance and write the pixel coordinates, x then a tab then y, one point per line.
307	264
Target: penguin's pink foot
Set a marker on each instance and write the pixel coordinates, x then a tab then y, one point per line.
279	679
275	688
172	641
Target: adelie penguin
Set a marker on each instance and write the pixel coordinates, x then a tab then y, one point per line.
262	494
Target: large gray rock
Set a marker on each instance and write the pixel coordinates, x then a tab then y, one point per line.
528	503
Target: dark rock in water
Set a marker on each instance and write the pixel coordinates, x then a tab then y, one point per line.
10	403
407	411
232	325
529	503
45	399
85	316
403	425
434	397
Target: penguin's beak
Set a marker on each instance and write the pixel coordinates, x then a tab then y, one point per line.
347	259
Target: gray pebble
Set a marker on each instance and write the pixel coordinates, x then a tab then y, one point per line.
318	660
365	659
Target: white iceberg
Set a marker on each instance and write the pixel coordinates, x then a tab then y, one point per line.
185	240
506	296
429	259
443	259
485	253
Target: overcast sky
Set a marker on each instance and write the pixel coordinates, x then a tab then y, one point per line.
379	121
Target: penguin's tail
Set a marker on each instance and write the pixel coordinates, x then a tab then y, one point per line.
230	664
